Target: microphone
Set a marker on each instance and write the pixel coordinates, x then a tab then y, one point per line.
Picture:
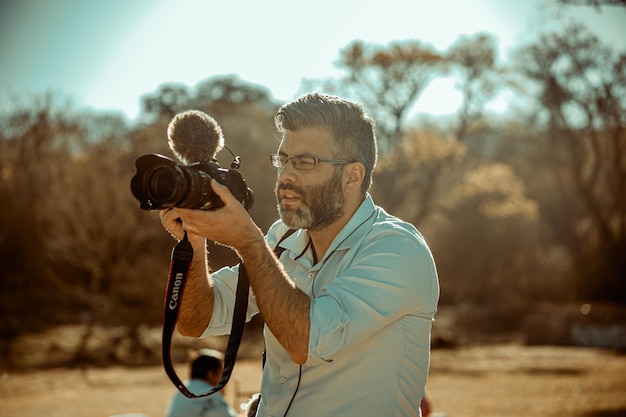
194	136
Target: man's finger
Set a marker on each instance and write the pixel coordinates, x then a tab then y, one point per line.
222	191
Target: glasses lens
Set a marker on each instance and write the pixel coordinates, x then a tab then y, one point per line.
277	161
298	162
303	162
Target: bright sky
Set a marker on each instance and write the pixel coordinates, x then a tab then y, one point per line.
106	54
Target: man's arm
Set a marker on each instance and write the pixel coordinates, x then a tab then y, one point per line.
284	307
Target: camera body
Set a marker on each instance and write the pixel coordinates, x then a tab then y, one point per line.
161	183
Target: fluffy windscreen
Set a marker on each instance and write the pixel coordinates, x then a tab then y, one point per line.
194	136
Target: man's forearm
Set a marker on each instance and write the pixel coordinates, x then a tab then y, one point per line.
284	307
197	303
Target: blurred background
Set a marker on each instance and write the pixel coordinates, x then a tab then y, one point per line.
502	137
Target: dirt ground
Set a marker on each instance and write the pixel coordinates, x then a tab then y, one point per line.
505	380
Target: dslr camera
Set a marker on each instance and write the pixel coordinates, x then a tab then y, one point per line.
161	183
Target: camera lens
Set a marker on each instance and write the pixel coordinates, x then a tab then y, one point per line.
161	183
166	185
198	193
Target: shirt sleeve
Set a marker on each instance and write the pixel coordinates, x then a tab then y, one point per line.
224	289
390	275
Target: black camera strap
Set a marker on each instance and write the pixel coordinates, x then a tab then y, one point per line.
182	254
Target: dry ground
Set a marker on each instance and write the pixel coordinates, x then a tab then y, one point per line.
490	381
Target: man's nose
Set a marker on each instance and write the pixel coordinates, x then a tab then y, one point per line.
287	172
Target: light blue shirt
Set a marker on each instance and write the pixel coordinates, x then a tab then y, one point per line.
212	405
374	295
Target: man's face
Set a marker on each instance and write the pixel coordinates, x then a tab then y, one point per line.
309	199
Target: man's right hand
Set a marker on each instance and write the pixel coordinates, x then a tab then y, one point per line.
171	221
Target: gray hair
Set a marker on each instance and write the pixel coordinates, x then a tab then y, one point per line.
353	131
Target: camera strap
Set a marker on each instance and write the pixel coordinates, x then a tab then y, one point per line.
182	255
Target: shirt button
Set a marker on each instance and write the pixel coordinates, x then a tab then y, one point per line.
310	275
283	379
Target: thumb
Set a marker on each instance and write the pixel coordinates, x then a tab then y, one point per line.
222	191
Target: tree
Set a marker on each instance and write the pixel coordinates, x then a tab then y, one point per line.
32	141
72	239
101	249
388	80
473	60
490	238
168	100
411	173
581	85
230	89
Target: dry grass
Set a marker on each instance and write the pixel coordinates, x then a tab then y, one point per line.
489	381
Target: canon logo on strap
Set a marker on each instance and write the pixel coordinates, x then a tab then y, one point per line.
176	291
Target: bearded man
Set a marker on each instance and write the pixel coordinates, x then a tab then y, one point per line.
347	292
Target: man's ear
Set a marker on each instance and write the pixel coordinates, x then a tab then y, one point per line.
354	174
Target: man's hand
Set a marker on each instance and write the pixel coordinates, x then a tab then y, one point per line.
170	220
230	225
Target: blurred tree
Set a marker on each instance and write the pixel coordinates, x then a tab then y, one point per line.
594	3
581	87
473	59
72	241
490	238
168	100
521	143
230	89
95	229
388	80
32	139
410	173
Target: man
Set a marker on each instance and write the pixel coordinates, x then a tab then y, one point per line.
205	373
349	305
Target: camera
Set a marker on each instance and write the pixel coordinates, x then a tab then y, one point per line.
161	183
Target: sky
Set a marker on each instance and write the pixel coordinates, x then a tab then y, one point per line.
104	55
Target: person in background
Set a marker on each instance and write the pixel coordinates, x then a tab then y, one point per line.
347	292
205	373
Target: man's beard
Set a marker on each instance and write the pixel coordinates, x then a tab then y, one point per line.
320	205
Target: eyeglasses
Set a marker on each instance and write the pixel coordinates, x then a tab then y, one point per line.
302	162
